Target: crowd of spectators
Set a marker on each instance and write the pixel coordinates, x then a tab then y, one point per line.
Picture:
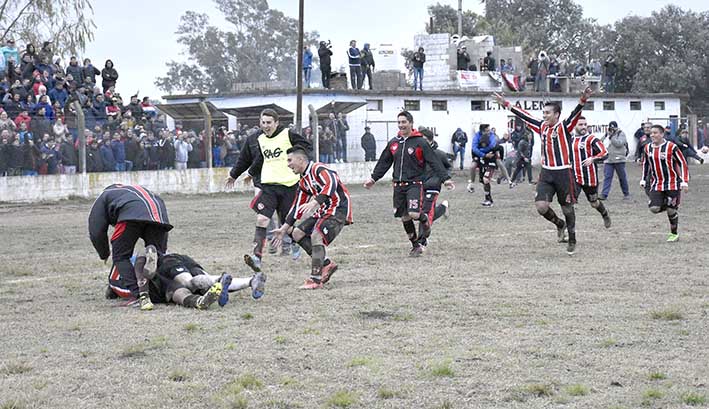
545	66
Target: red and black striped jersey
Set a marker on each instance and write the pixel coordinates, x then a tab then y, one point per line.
322	183
666	167
582	148
556	139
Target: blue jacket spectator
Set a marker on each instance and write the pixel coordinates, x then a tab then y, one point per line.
10	52
48	110
119	150
59	94
307	58
480	146
76	71
109	162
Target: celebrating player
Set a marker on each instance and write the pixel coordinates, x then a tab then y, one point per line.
665	169
432	185
587	151
136	213
264	155
324	206
409	153
556	176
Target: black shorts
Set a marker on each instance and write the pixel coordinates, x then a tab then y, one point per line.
329	227
665	199
590	191
429	203
559	182
274	198
487	169
408	199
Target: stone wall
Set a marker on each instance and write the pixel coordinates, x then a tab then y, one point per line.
439	69
190	181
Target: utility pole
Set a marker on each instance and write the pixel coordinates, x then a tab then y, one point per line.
460	18
299	76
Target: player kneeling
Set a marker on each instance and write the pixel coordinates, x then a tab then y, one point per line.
323	205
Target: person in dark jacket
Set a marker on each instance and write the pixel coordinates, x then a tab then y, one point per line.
109	76
417	61
463	59
4	147
409	153
132	149
119	152
15	158
354	56
264	156
524	159
94	160
458	140
432	185
166	148
31	158
327	146
76	71
367	59
90	72
40	125
70	158
136	213
325	54
369	144
109	161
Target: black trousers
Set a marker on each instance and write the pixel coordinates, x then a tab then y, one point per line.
126	234
325	70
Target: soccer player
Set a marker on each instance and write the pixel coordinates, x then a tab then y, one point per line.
587	151
136	213
264	155
556	176
432	185
324	207
409	153
665	170
181	280
485	154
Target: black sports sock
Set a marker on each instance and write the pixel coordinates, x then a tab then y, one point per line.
488	195
438	212
306	245
190	301
602	209
318	258
570	217
259	241
410	230
674	221
551	216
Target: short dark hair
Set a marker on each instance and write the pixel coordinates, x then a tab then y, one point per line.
407	115
427	133
582	117
270	112
297	150
660	127
484	127
555	106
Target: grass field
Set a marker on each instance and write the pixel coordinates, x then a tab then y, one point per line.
494	315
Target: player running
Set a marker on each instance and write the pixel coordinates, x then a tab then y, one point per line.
587	151
323	205
409	153
556	176
432	185
665	169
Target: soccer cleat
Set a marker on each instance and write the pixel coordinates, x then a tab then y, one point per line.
253	261
425	229
210	297
487	203
145	303
225	281
151	262
271	248
327	271
512	185
471	187
673	237
416	250
311	284
258	285
561	232
607	221
571	248
601	197
295	252
445	204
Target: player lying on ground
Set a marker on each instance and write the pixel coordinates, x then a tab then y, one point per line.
323	205
181	280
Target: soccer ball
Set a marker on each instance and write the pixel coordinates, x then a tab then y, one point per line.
705	149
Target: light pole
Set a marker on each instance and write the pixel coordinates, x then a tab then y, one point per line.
299	76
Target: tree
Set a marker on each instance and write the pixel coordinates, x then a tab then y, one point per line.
445	20
260	45
67	24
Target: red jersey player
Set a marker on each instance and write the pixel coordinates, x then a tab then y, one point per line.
587	150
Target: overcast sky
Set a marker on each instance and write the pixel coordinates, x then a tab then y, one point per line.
139	36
